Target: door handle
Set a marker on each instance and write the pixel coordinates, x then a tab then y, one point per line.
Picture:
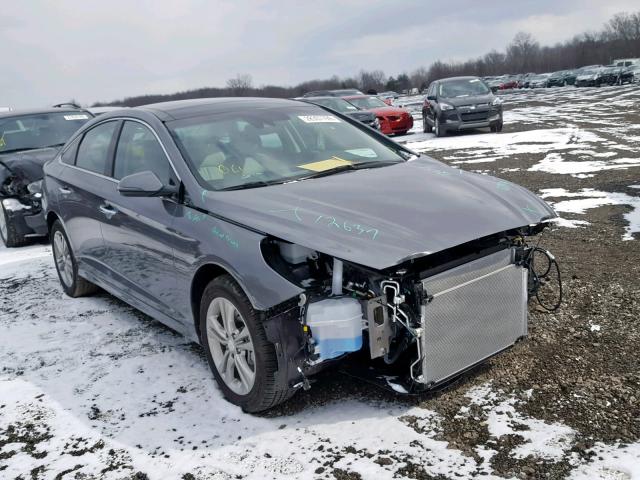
108	211
65	191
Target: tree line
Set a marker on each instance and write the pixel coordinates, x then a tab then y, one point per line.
618	38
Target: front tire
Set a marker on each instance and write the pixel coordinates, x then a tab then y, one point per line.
241	358
67	266
438	130
8	232
426	128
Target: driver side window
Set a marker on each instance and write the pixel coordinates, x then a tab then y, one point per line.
138	150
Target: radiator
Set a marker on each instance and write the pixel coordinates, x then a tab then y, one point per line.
478	309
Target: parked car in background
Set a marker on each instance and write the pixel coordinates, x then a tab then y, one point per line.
282	238
388	97
539	81
333	93
590	77
342	106
561	78
460	103
524	81
509	82
393	120
634	73
626	62
28	139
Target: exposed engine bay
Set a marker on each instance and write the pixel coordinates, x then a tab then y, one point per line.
429	319
21	194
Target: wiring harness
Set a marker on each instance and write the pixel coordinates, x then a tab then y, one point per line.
543	271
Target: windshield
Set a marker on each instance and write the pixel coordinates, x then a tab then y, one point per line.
27	132
366	103
462	88
274	145
337	104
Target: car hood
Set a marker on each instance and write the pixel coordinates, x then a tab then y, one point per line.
362	116
26	164
384	216
388	111
470	100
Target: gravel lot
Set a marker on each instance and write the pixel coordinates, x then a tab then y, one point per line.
90	388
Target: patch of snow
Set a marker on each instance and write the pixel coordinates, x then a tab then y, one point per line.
589	198
554	163
595	328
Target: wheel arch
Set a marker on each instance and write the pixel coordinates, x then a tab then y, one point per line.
51	219
203	276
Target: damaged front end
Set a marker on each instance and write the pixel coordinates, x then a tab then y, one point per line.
21	198
418	324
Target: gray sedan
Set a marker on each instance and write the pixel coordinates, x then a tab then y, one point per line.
283	237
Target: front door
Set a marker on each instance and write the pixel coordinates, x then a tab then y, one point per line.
137	230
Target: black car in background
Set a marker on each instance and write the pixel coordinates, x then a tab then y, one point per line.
342	106
561	78
28	139
590	76
460	103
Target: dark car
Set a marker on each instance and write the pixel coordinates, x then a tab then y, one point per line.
282	236
590	76
561	78
340	105
460	103
28	139
334	93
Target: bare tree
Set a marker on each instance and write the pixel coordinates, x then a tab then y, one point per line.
240	85
522	52
373	80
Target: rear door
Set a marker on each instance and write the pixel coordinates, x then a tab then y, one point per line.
80	184
137	230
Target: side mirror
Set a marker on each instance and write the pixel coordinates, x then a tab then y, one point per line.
431	97
144	184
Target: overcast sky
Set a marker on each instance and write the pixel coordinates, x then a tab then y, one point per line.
91	51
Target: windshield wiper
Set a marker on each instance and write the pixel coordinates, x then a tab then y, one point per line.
256	184
55	145
351	166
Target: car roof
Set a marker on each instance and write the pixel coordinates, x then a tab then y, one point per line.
320	97
468	77
179	109
36	111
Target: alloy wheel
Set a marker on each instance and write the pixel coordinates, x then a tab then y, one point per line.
62	256
231	346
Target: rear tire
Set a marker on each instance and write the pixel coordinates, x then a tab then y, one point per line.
8	233
235	341
67	266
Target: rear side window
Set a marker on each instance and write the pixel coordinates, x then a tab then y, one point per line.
69	155
93	153
138	150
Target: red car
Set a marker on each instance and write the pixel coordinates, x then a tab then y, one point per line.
392	119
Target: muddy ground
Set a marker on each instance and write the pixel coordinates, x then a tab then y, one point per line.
578	372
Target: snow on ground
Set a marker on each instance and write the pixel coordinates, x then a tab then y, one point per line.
90	388
589	198
93	387
581	134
